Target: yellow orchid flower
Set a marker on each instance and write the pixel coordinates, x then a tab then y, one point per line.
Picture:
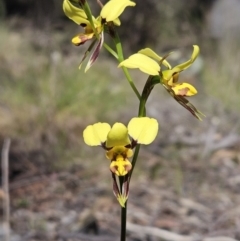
79	17
150	63
169	80
93	30
119	142
116	140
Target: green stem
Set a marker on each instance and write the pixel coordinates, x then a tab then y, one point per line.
122	180
123	222
134	160
110	50
88	12
120	59
150	83
141	113
118	44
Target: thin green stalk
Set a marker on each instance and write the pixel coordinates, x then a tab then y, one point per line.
151	81
123	211
88	12
141	113
134	160
120	59
125	70
110	50
123	222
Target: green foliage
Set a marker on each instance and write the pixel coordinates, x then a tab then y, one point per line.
44	98
221	76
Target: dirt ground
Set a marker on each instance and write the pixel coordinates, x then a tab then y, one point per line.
194	198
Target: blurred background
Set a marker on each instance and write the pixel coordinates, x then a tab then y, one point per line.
61	189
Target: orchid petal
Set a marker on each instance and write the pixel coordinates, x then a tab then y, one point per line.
185	103
116	150
150	53
74	13
167	76
142	62
82	38
95	53
188	63
114	8
118	136
121	166
117	22
143	129
184	89
95	135
87	52
123	195
122	200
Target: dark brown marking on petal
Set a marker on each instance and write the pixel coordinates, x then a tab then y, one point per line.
116	191
127	167
82	2
125	185
96	51
83	39
88	51
185	103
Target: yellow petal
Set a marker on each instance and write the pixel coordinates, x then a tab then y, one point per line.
167	76
150	53
121	166
170	78
188	63
118	150
143	129
114	8
142	62
74	13
95	135
117	22
118	136
82	38
184	89
122	200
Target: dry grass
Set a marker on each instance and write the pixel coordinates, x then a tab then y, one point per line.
45	101
221	73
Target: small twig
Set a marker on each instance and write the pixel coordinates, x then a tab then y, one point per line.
157	232
5	184
219	239
170	236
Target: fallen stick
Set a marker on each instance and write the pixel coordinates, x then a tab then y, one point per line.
170	236
5	184
157	232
